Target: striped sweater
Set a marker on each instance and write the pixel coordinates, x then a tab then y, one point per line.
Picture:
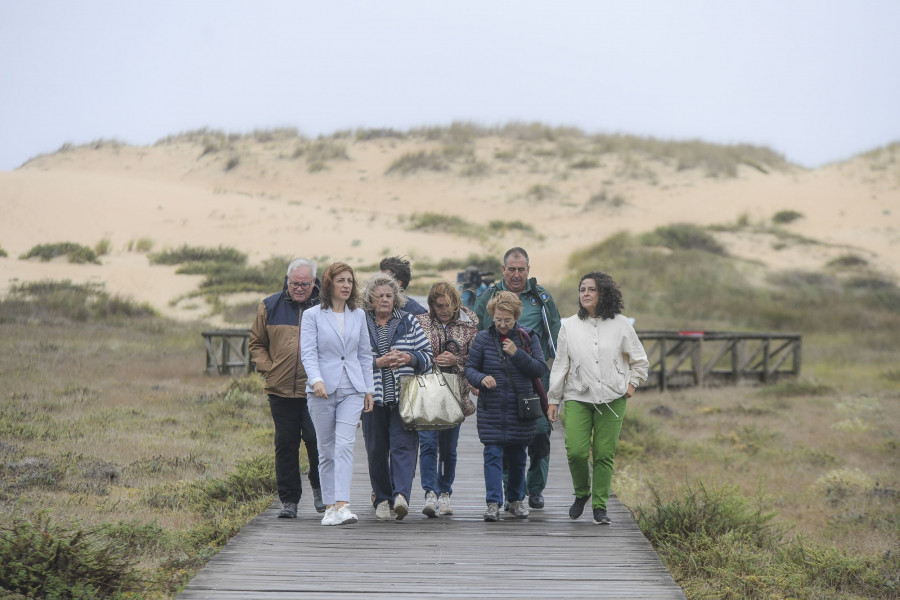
406	335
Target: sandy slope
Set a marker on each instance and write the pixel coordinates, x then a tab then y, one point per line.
270	204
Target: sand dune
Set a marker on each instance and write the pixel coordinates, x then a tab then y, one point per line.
270	203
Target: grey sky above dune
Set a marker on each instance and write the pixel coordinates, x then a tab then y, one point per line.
816	80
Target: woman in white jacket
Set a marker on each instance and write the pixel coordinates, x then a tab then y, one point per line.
599	363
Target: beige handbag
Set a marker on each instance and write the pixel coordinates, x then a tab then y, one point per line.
430	402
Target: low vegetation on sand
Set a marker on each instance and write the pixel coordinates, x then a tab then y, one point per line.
76	253
123	468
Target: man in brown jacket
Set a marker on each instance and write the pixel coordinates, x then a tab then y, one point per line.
275	348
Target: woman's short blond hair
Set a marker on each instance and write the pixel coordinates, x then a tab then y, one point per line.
378	280
507	301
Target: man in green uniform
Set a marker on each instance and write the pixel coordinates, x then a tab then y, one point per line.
540	314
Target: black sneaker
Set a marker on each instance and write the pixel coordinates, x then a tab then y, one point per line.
506	506
288	511
317	500
536	500
600	517
577	508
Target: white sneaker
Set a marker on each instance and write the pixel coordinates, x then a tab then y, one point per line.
383	511
401	507
343	516
430	509
444	504
330	517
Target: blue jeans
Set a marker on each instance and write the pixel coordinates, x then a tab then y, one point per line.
392	453
516	457
437	456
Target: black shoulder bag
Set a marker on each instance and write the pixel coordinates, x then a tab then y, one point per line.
529	404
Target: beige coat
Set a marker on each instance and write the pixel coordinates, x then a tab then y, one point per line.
596	359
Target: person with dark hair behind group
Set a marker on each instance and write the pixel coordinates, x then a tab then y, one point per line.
399	268
275	348
599	363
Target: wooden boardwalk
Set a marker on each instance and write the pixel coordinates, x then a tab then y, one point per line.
462	556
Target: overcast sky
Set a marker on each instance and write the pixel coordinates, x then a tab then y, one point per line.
816	80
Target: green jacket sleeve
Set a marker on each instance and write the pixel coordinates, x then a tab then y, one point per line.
484	319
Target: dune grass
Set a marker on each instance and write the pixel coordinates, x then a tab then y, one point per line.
75	253
123	468
187	254
66	300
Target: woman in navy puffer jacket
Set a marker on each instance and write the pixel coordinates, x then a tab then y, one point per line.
499	427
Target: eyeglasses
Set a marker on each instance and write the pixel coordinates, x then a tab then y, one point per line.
499	321
303	285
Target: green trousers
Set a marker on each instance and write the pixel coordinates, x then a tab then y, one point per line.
538	458
592	432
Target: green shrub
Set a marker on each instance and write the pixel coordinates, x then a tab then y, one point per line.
76	253
103	247
3	253
795	388
445	223
324	150
848	261
253	480
141	245
786	216
64	299
418	161
42	559
232	163
603	199
683	236
700	511
503	226
187	254
540	191
486	262
585	163
364	135
641	435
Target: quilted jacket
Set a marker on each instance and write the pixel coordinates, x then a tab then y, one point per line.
498	409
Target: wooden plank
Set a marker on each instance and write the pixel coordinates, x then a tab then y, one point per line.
547	555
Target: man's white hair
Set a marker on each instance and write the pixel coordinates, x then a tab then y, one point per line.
302	262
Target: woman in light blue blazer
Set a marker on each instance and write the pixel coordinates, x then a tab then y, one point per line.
337	356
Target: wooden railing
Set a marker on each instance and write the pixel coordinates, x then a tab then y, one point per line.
714	358
677	358
227	351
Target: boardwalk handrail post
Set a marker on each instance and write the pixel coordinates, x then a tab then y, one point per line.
663	377
227	351
697	361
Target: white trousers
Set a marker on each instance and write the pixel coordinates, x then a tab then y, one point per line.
335	419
